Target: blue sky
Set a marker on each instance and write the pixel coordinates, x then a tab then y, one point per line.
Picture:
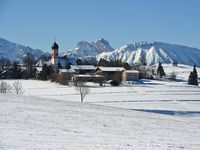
38	22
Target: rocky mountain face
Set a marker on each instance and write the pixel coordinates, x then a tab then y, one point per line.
153	52
13	51
86	50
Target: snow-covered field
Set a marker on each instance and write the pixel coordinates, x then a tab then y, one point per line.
145	115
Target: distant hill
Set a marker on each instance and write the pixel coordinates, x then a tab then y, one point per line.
13	51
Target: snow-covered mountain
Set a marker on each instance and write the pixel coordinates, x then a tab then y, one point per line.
90	50
140	52
153	52
13	51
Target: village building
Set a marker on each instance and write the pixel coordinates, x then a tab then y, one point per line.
131	75
112	73
88	78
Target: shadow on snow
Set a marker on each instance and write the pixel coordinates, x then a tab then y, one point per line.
170	112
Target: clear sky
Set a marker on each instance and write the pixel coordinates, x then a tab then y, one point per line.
38	22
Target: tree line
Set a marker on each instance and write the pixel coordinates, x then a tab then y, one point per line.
15	70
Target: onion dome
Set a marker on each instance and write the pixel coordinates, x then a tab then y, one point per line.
55	46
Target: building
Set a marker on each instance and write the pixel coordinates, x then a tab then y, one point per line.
54	54
131	75
88	78
112	73
56	61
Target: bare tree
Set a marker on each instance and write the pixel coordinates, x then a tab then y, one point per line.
5	87
82	89
17	87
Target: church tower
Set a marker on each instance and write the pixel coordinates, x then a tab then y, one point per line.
54	54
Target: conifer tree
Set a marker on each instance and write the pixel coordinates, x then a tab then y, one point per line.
160	70
193	77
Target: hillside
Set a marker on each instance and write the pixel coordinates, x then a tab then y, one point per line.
14	51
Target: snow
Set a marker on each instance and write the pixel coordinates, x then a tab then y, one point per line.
86	50
132	71
111	69
153	52
13	51
148	114
90	52
67	70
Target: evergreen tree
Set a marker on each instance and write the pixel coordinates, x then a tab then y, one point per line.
79	62
59	66
29	62
193	77
46	73
15	71
160	70
68	66
103	62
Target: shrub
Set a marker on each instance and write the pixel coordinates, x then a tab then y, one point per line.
5	87
114	83
17	87
62	79
173	75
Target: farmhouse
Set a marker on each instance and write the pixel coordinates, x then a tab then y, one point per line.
131	75
88	78
111	73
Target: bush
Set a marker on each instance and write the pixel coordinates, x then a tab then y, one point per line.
114	83
5	87
17	87
173	75
62	79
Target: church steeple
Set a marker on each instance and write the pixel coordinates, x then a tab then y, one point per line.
54	54
55	46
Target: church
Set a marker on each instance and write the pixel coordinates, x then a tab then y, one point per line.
56	61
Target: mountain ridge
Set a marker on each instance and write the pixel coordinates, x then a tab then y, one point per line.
151	53
142	52
16	52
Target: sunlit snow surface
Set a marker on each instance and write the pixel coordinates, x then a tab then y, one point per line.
146	115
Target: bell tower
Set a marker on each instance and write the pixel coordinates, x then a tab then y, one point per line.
54	54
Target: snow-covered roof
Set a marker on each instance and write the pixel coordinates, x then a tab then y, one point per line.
87	67
132	71
67	70
39	69
40	63
87	75
83	67
111	69
74	67
64	61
